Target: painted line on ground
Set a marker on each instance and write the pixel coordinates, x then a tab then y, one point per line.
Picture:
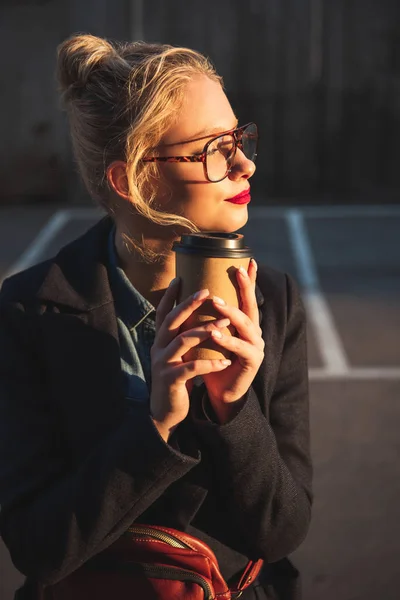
34	251
326	212
85	213
319	314
356	373
336	371
257	212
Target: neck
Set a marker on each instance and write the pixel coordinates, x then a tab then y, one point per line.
150	278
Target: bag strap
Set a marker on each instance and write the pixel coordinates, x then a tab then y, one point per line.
250	573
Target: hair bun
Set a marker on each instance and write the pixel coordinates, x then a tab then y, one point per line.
79	56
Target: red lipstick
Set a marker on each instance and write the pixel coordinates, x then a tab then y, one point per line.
242	198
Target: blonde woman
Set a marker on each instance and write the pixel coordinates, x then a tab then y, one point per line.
99	427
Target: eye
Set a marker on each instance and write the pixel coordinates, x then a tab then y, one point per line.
212	150
224	145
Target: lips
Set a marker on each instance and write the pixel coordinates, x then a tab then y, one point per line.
242	198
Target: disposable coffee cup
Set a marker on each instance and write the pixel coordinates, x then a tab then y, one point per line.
210	260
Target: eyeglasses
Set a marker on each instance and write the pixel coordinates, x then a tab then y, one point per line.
219	152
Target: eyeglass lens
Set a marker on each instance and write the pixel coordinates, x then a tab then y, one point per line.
222	149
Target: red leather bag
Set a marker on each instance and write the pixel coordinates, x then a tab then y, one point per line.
151	563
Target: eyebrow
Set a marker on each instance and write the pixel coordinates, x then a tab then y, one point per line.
203	134
209	131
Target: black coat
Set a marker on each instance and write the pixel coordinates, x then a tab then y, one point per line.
76	468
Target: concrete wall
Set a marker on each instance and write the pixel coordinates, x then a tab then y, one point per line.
35	154
321	79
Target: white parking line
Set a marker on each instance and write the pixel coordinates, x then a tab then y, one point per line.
318	311
356	374
264	212
35	250
327	212
336	364
85	213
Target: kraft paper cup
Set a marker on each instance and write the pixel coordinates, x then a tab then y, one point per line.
216	273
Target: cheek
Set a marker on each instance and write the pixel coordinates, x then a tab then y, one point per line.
180	183
179	192
178	174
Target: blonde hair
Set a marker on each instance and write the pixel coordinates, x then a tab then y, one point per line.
120	99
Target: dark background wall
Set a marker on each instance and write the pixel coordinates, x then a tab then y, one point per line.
36	161
320	77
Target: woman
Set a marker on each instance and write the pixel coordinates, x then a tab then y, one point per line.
96	400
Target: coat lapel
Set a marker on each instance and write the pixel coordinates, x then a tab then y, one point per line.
78	275
80	336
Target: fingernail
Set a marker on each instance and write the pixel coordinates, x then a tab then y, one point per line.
253	260
226	362
222	323
218	300
243	271
216	333
173	281
201	294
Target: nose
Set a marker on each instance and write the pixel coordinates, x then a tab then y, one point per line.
242	167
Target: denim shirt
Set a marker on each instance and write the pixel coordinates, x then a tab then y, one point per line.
136	328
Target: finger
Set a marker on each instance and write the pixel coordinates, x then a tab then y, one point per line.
246	352
244	326
252	271
167	301
247	293
171	322
191	338
185	371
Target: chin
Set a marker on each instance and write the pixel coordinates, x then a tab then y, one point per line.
235	222
226	224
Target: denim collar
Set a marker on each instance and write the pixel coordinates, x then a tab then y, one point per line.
130	305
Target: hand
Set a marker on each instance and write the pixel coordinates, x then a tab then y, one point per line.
226	389
171	376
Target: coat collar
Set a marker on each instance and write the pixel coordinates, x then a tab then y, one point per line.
78	275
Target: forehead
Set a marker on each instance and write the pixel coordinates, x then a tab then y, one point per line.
205	110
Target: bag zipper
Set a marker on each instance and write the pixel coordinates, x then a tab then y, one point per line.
177	574
169	539
155	571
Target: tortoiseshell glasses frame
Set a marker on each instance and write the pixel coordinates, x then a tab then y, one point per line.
245	138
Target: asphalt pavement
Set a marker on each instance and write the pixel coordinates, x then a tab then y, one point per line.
347	263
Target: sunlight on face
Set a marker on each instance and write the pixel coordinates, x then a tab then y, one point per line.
183	187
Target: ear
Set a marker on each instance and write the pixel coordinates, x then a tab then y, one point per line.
117	179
